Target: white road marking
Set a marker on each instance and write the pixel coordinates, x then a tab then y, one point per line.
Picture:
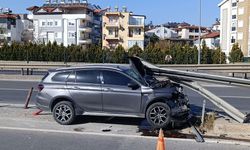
15	105
217	85
229	142
239	97
15	89
22	80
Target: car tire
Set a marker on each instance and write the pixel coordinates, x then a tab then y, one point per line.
158	115
64	113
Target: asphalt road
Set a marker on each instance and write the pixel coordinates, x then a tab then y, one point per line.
15	92
41	140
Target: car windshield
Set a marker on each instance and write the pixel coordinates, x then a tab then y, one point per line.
135	76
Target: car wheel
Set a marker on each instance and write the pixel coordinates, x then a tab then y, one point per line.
158	115
64	113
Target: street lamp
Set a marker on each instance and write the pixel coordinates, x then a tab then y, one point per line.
199	48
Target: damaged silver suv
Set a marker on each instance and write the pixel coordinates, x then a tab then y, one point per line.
111	90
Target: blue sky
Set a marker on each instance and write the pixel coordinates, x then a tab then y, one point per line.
158	11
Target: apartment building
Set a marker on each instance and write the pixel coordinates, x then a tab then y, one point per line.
235	17
190	31
68	22
123	28
212	40
12	25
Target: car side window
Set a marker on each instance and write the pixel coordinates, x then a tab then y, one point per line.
88	76
115	78
61	76
72	77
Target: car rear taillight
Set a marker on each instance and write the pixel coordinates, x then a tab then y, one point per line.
40	87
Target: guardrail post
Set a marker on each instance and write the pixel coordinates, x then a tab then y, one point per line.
245	75
22	71
28	71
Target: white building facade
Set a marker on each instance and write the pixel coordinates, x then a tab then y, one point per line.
163	33
190	32
235	25
72	22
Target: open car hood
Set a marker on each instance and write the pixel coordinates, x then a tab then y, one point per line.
143	67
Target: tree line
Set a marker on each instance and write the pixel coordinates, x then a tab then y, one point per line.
157	52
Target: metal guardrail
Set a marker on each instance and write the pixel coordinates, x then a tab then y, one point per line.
221	68
190	79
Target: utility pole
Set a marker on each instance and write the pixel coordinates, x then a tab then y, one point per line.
199	48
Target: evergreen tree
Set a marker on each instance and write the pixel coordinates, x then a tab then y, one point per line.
236	54
119	55
135	51
206	54
153	39
218	57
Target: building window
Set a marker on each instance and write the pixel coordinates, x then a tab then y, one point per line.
71	23
136	20
241	11
191	37
50	23
233	16
232	40
240	36
72	34
110	32
131	32
140	43
113	20
234	4
233	28
43	23
240	23
137	31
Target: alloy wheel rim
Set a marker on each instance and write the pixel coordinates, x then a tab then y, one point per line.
63	113
159	115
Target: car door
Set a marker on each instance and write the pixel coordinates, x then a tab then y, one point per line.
117	96
85	89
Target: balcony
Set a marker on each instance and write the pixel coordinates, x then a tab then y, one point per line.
136	26
136	22
112	25
85	28
86	17
85	41
112	37
115	13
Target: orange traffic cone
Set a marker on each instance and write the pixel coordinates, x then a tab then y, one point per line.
160	142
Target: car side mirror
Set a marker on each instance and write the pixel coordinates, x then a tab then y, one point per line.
133	86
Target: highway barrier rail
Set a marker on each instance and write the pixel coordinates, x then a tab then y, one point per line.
25	68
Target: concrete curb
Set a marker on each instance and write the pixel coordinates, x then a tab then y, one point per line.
229	142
